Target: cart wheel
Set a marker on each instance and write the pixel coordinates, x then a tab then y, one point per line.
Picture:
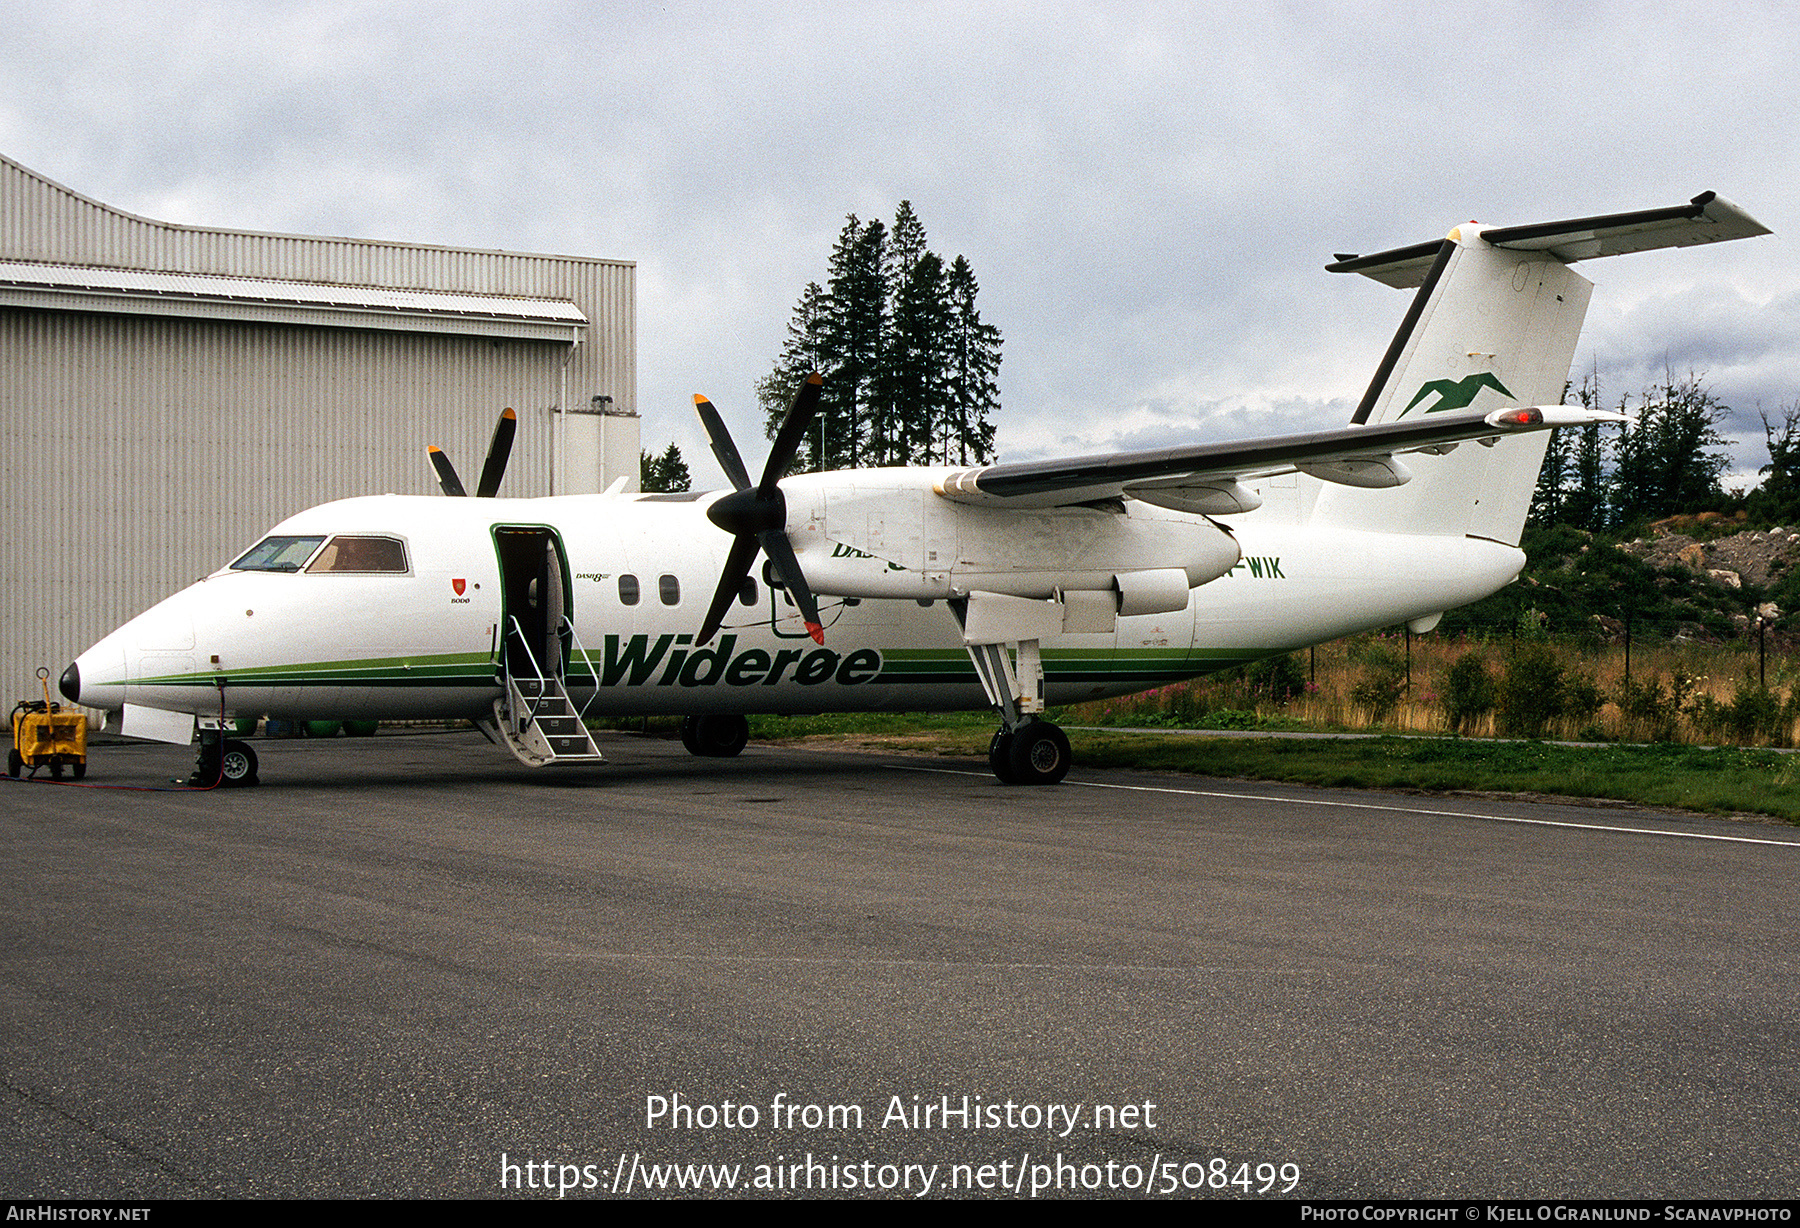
79	770
55	770
238	765
14	764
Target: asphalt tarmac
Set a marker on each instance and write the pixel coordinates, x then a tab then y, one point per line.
407	966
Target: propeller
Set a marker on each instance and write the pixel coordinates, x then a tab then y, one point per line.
492	470
756	516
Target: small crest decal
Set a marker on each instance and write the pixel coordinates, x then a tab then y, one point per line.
459	584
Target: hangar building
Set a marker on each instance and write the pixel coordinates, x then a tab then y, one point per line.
169	392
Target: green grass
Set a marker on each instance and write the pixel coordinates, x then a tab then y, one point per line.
1723	780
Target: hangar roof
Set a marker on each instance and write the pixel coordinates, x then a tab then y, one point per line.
75	287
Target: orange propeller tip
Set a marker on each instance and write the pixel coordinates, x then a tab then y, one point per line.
817	632
509	415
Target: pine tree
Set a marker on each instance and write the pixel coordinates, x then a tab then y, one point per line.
1584	503
967	437
916	367
856	327
1667	461
663	474
1780	488
1552	490
805	351
910	369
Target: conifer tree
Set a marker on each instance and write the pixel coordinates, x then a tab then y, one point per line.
967	437
910	369
663	474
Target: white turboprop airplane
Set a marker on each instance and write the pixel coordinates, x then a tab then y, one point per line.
1011	585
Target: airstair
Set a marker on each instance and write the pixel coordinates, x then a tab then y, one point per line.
536	720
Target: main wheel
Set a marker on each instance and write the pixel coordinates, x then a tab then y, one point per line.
716	737
1040	754
237	765
1000	755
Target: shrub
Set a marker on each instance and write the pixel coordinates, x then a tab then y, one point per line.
1469	693
1383	683
1532	692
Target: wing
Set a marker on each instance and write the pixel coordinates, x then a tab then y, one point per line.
1204	477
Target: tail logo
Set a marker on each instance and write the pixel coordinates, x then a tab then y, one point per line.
1456	394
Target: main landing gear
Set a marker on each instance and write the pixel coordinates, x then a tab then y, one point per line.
715	737
1003	643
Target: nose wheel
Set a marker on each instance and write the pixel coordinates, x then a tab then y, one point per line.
230	762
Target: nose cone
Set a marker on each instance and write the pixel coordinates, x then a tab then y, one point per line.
96	679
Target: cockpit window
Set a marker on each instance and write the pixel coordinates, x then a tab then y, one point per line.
362	554
278	554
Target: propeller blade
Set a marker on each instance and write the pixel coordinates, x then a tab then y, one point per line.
498	451
731	582
756	517
775	544
722	448
793	429
446	474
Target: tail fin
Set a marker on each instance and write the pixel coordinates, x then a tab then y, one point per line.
1494	323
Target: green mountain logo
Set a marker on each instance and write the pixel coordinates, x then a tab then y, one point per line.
1456	394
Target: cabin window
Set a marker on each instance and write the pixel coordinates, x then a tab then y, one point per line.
278	554
628	590
747	592
365	555
669	588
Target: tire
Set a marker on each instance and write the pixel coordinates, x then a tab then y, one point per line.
79	770
15	763
237	763
690	734
719	737
56	769
1040	754
1000	756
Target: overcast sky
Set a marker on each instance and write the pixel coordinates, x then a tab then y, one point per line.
1147	192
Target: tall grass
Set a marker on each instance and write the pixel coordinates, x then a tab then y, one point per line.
1561	688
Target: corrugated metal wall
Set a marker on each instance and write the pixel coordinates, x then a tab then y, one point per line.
142	452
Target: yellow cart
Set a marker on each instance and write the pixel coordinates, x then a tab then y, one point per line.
47	735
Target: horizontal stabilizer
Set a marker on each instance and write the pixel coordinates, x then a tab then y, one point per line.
1708	218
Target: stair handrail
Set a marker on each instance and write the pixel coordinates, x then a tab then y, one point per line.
543	680
575	639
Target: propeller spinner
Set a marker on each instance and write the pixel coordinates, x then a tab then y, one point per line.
492	470
756	516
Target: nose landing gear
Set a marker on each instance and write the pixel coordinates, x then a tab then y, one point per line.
227	761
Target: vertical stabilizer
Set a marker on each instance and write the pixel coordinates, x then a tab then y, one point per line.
1488	329
1494	324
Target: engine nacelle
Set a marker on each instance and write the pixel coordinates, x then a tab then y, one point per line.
885	533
